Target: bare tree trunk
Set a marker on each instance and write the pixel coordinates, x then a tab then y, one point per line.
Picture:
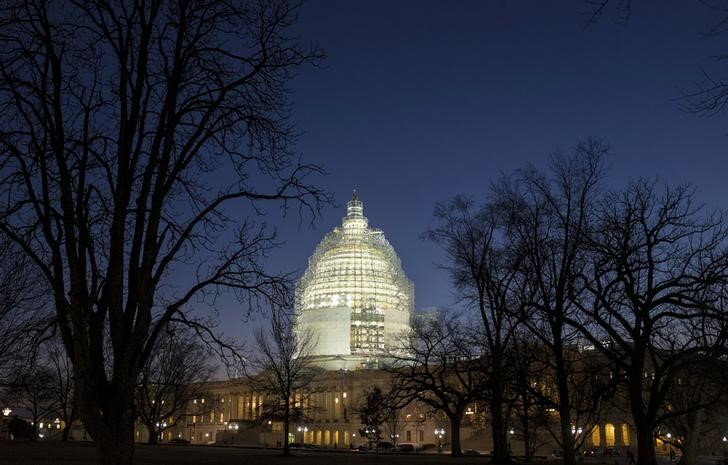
501	453
112	426
286	429
66	431
644	425
527	451
153	439
645	443
117	446
455	449
567	436
690	445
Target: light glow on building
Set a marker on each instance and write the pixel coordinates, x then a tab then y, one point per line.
354	298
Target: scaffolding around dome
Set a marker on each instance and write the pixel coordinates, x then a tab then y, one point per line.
354	298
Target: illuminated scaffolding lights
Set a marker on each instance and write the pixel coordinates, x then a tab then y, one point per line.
354	286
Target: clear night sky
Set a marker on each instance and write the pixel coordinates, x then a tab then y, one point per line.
419	101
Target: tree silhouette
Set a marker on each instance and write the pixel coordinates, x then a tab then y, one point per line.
127	129
283	372
656	282
442	366
172	378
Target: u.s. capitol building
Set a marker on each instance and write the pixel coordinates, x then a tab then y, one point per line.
354	300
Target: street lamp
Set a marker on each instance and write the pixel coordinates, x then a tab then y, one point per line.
6	413
439	432
303	430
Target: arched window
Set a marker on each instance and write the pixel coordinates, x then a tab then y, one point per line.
625	434
609	434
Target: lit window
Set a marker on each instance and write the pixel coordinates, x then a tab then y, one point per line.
625	434
609	434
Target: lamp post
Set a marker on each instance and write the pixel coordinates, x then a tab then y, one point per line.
6	429
265	434
439	432
303	430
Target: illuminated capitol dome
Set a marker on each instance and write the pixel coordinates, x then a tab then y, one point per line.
354	298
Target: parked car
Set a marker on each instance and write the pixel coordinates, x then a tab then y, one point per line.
429	447
405	448
179	441
471	452
611	452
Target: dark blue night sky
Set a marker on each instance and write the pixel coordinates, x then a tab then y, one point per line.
419	101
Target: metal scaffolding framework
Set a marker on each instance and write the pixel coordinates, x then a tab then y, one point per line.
354	271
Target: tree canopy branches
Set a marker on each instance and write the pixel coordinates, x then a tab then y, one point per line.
132	136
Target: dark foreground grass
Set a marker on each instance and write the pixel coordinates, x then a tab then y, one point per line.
82	453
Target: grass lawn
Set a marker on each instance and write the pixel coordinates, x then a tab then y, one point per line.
83	453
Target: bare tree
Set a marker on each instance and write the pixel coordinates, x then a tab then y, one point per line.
24	313
172	378
709	93
441	366
373	412
485	271
64	389
529	417
695	406
380	407
126	131
33	390
550	219
283	372
658	273
596	9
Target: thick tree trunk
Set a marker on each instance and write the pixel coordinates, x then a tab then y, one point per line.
567	437
112	425
501	452
115	450
66	432
455	449
153	439
644	425
645	444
